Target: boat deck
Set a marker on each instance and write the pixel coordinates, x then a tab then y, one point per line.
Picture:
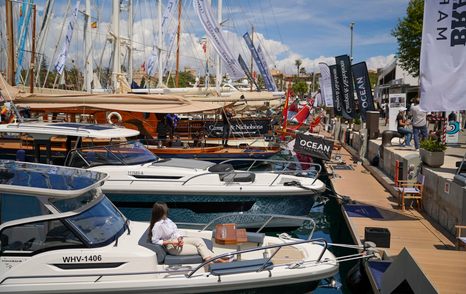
430	245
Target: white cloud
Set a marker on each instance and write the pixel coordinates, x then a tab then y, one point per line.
379	61
328	21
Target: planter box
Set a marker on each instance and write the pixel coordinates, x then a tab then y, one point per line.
356	127
432	159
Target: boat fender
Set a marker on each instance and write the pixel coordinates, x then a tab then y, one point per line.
112	114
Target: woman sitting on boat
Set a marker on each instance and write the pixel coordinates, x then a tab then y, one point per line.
163	231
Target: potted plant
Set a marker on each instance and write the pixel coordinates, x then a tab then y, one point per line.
357	124
432	152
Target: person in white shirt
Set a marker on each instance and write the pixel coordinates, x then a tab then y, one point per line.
164	231
419	121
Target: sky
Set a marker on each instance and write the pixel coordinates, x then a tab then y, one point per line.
311	30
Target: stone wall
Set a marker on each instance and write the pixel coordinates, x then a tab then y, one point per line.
447	208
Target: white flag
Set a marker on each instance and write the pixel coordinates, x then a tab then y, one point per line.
151	64
443	56
326	84
214	33
61	59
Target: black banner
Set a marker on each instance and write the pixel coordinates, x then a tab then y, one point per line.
214	129
363	88
346	85
314	146
337	98
247	72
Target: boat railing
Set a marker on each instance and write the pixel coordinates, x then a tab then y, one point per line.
269	218
315	175
263	248
286	163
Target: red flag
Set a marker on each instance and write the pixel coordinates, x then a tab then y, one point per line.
302	115
285	110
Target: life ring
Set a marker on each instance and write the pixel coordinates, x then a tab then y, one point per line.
112	114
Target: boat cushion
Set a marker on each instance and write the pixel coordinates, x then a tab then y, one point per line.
238	267
164	258
252	237
221	168
239	177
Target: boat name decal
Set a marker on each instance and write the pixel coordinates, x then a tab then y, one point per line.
83	258
135	173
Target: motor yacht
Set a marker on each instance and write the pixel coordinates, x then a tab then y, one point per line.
196	191
59	233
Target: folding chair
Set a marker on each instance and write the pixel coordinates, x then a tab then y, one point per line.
411	190
460	238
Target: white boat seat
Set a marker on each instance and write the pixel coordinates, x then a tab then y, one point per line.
164	258
257	238
238	267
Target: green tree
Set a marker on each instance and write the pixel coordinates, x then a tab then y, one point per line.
298	63
408	33
300	88
186	79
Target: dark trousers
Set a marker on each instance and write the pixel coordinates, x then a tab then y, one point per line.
226	134
407	133
422	131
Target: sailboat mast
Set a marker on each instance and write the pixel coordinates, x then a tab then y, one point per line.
177	77
116	44
87	49
160	44
252	60
218	79
11	44
130	41
33	53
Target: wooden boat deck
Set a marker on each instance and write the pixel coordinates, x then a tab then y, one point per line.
431	246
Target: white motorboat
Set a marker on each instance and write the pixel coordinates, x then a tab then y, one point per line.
196	191
60	234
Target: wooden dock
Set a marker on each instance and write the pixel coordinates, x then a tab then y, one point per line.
431	246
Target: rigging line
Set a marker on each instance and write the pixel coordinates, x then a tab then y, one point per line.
276	23
56	47
231	18
194	44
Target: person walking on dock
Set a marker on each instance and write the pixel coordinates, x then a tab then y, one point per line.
419	121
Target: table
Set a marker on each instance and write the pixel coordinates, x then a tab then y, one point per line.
228	234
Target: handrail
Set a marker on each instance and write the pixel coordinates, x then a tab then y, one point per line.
278	173
271	217
264	265
255	160
288	163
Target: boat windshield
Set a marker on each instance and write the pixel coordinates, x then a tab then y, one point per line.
99	224
127	153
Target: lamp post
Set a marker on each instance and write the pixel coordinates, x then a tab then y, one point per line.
351	46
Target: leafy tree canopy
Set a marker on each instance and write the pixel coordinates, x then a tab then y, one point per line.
300	88
408	33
